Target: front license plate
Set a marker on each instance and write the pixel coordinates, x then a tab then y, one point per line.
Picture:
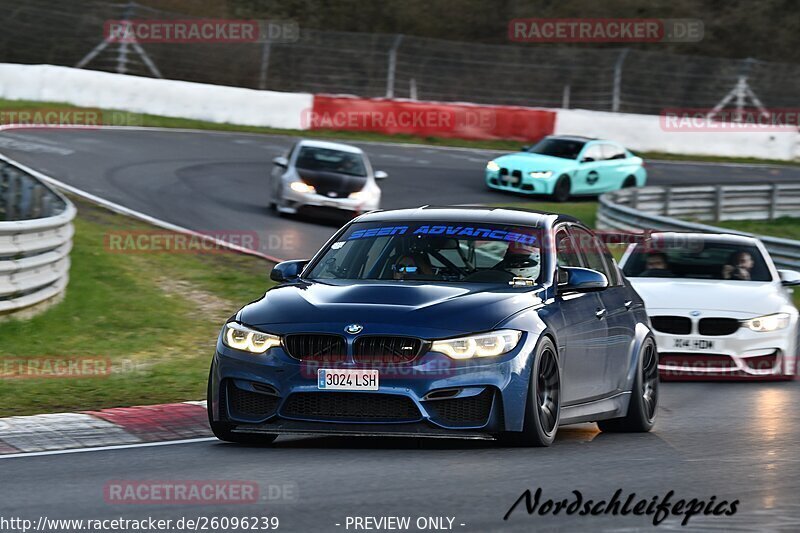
329	379
511	180
693	344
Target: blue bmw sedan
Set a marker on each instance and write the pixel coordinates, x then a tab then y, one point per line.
440	322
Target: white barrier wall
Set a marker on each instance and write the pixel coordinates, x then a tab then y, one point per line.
170	98
235	105
646	133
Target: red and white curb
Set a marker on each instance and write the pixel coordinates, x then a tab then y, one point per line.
105	428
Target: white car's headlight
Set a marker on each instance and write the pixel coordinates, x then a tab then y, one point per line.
768	322
484	345
361	195
541	174
299	186
491	165
242	338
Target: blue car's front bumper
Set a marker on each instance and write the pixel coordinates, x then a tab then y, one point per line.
275	393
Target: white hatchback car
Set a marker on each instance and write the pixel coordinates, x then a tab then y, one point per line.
717	304
319	177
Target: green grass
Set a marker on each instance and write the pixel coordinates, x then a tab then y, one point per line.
585	211
124	118
155	316
785	227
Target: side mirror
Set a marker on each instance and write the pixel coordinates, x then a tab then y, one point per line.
789	278
576	279
587	159
280	162
381	175
525	148
288	270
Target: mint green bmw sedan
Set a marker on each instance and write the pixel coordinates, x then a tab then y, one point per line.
564	166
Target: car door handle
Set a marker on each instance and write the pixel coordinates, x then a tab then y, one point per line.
601	313
628	304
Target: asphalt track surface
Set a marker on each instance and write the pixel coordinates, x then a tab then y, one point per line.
735	441
218	181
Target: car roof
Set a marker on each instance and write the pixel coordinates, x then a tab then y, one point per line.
470	214
728	238
331	146
573	138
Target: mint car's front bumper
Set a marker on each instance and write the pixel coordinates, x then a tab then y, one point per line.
518	182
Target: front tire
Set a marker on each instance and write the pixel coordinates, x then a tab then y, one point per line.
223	430
543	407
562	189
643	406
629	183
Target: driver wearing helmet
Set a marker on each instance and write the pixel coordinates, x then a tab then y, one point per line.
522	260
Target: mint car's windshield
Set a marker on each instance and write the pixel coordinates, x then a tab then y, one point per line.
432	251
709	260
563	148
327	160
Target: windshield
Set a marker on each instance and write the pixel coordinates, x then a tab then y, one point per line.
327	160
432	251
712	260
563	148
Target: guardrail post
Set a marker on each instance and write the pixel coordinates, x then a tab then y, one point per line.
773	202
667	200
392	67
719	200
634	198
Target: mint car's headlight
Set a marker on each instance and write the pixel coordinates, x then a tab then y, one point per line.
242	338
491	165
540	174
483	345
768	322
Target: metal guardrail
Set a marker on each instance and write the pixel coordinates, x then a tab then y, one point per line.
655	208
35	240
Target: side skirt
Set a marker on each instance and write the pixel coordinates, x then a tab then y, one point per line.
612	407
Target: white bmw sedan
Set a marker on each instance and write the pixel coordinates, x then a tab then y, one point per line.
718	306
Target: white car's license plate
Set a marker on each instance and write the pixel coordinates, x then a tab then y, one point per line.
693	344
331	379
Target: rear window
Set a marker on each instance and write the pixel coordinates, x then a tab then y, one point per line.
723	261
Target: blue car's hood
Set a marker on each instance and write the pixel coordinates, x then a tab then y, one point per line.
420	309
528	161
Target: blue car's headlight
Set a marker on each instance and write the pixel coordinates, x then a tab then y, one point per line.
242	338
491	165
483	345
540	174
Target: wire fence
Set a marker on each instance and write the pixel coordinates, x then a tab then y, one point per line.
378	65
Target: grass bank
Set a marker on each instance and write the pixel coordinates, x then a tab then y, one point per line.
152	316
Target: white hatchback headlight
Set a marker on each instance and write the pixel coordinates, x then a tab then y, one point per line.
361	195
491	165
299	186
768	322
540	174
484	345
242	338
